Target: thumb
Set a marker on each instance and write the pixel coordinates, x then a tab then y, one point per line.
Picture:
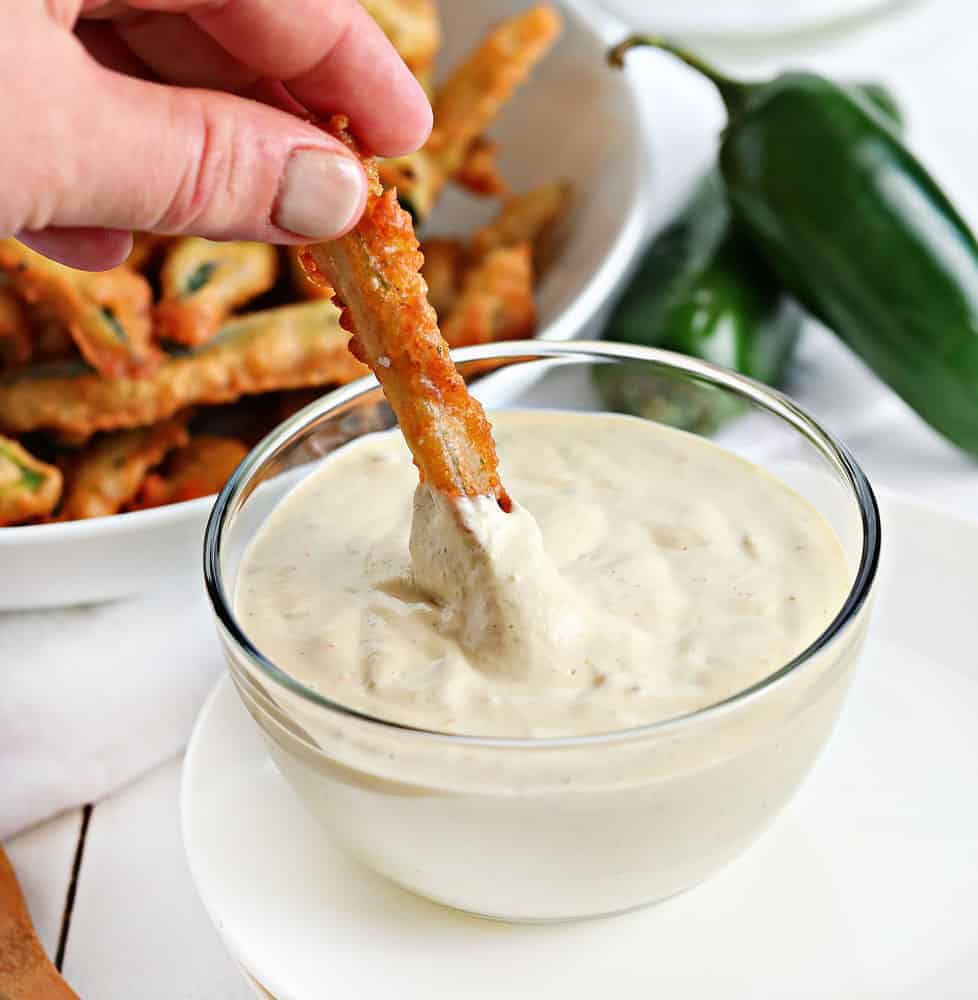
133	154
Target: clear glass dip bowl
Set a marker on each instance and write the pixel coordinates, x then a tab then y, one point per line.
556	829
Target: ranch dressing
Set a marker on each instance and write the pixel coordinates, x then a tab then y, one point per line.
643	574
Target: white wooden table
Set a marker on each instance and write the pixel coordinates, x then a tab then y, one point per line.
108	885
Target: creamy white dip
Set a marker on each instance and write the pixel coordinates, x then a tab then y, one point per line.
642	574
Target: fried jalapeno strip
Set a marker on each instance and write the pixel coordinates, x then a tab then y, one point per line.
108	473
29	488
375	273
107	313
479	171
203	282
484	292
282	348
479	87
303	285
198	469
468	101
525	218
496	301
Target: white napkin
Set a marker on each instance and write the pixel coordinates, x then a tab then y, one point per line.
95	696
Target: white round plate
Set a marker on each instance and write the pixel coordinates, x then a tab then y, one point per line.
866	887
578	119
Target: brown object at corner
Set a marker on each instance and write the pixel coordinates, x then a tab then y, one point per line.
26	973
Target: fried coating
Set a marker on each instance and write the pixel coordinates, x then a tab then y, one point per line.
289	347
108	473
198	469
107	313
16	343
479	171
203	282
29	489
375	271
468	101
444	261
304	286
412	27
496	301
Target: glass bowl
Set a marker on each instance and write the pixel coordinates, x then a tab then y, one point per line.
556	829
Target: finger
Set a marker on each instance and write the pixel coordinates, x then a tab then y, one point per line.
362	76
85	248
178	160
275	93
103	8
105	46
180	52
332	55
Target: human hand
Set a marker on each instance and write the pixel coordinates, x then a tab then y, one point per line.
157	115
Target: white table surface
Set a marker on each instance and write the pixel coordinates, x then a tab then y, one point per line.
108	885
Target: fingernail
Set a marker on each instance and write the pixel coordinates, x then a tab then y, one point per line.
321	193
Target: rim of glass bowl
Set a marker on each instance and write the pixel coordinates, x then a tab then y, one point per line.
231	497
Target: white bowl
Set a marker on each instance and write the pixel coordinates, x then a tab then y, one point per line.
576	119
717	21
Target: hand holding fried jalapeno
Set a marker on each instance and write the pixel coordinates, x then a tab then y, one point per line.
375	272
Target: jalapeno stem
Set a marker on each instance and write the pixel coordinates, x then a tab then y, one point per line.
733	92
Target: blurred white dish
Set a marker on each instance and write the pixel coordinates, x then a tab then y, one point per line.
577	119
874	862
745	19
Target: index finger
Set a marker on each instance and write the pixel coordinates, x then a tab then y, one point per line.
331	55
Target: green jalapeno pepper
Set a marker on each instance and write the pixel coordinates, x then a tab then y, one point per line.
700	290
703	290
858	231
